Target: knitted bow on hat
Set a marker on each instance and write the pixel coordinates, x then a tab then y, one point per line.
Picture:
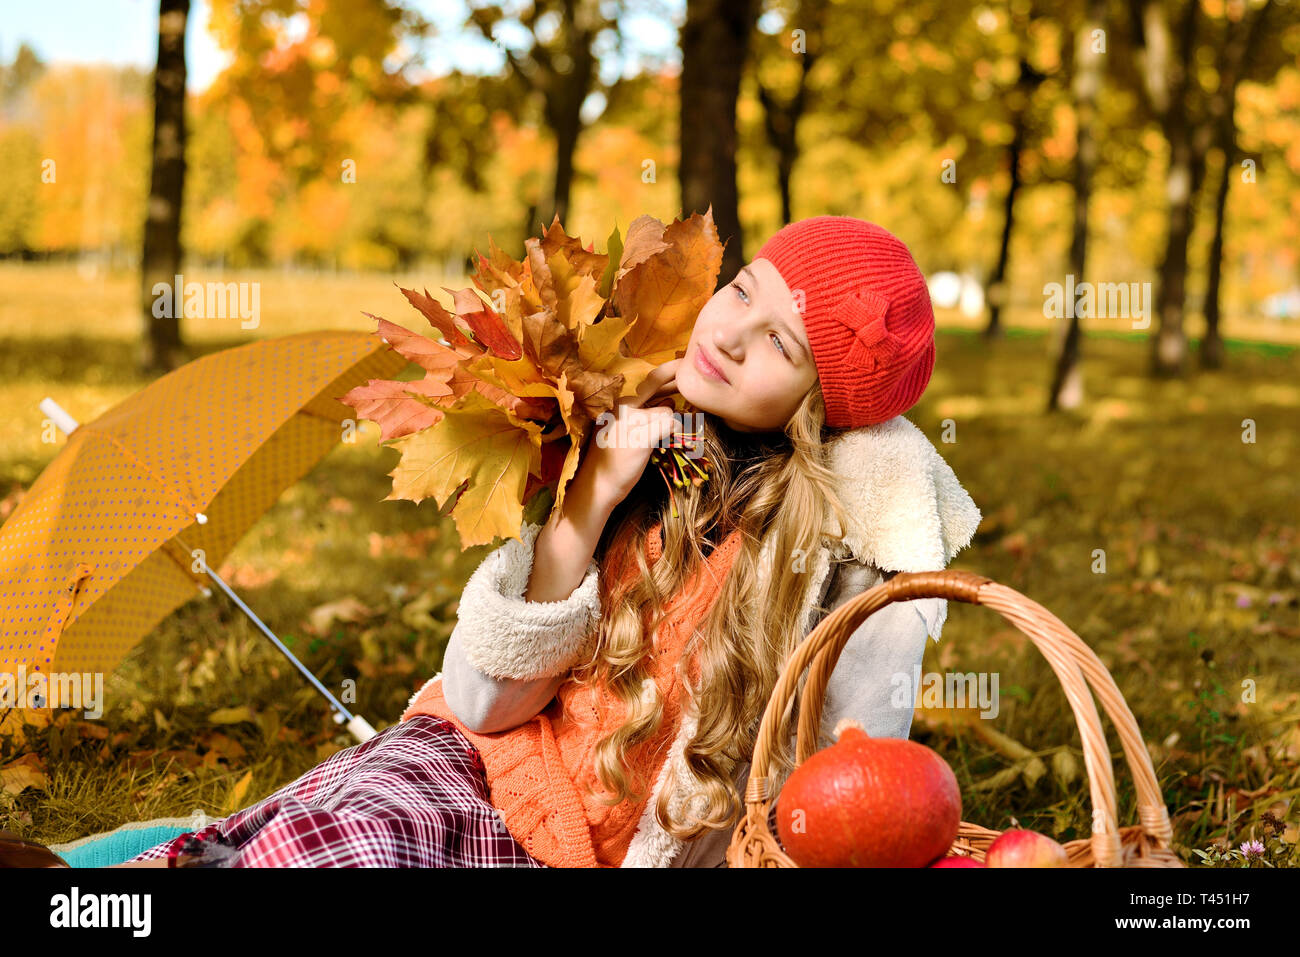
873	345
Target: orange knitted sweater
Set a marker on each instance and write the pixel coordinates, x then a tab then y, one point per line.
537	772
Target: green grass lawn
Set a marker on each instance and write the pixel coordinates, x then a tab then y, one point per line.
1195	615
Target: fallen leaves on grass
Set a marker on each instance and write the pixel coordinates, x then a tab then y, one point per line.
419	543
23	773
232	715
236	799
348	609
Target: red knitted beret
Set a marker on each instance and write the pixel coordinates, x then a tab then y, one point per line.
867	312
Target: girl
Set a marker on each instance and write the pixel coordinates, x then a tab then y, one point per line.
601	692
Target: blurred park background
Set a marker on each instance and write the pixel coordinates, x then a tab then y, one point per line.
319	151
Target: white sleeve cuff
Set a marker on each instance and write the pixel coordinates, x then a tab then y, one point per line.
507	637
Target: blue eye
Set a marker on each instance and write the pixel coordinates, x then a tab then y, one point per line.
740	290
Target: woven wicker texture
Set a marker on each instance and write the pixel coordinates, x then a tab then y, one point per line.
1077	667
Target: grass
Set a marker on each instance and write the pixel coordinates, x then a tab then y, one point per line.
1195	613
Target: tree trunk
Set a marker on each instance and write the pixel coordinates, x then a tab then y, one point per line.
533	226
564	99
1169	345
1211	351
566	143
997	295
161	257
1067	381
781	120
714	44
1223	111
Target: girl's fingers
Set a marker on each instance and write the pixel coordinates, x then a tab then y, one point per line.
667	424
658	378
653	424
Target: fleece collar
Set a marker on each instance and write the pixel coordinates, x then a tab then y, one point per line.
906	510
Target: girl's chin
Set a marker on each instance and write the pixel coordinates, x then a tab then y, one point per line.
698	403
696	391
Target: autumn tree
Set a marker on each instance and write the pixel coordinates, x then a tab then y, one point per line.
1244	39
984	81
19	150
1066	389
715	39
1185	65
790	57
307	78
559	67
161	258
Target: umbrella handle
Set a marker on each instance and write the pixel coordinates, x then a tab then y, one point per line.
361	729
58	415
357	725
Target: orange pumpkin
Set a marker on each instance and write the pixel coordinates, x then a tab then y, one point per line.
869	802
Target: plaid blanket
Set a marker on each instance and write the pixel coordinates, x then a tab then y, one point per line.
414	795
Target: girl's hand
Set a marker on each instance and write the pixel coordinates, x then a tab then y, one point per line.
617	454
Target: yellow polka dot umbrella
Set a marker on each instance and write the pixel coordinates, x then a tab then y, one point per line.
131	517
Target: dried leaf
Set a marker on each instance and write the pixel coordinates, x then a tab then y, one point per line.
1003	778
428	354
483	445
237	794
1032	771
222	745
442	320
23	773
666	290
232	715
395	405
320	618
415	614
1065	767
583	261
486	324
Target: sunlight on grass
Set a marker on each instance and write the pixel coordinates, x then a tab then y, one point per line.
44	301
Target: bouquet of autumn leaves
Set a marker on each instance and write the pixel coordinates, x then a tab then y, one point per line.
514	386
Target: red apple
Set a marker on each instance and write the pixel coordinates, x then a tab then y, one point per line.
956	862
1021	848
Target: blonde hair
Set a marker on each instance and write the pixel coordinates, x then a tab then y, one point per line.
774	483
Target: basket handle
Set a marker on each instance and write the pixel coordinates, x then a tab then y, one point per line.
1075	664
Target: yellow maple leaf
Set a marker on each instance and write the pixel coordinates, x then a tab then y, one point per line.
479	443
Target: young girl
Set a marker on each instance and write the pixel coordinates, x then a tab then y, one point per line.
601	692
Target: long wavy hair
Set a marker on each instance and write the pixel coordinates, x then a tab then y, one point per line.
770	483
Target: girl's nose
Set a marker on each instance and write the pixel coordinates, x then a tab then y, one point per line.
727	339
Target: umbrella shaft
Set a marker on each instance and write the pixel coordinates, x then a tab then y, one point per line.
347	715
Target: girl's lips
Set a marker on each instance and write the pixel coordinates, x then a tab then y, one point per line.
702	363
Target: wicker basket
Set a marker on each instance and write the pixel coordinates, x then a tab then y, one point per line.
1146	844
